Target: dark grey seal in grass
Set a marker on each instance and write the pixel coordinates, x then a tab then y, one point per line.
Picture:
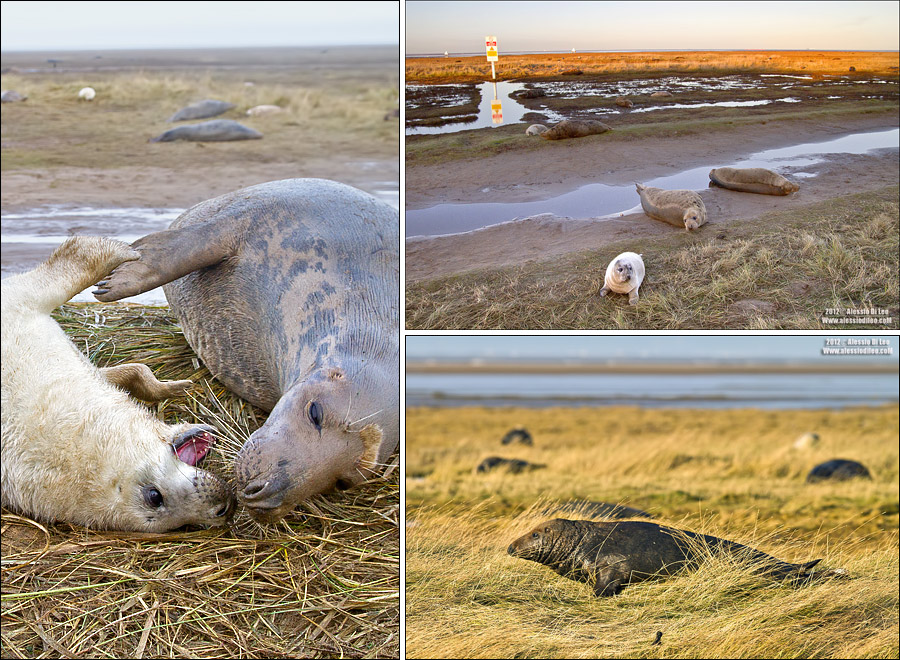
574	128
289	292
593	509
611	555
838	469
201	110
513	465
217	130
518	434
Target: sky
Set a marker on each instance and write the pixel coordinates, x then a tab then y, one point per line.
764	347
124	25
458	27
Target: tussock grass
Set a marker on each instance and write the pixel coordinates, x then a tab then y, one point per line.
729	473
841	253
324	582
468	69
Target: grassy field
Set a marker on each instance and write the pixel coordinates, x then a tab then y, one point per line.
781	271
324	582
329	109
730	473
476	69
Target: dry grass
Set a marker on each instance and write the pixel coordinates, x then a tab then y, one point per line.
730	473
841	253
325	582
510	67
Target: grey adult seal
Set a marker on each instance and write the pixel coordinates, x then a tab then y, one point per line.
682	208
838	469
753	180
513	465
611	555
201	110
289	292
574	128
518	434
217	130
593	509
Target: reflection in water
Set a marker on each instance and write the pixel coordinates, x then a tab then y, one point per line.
598	200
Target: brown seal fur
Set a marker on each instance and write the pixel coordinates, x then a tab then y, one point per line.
752	179
611	555
289	292
682	208
574	128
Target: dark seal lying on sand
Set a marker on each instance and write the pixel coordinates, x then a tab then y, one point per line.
611	555
592	509
217	130
513	465
838	469
201	110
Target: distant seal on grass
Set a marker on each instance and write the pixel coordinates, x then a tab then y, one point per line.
535	129
682	208
838	470
518	434
87	94
217	130
289	293
660	95
611	555
593	509
623	102
264	110
513	465
624	274
11	96
574	128
75	448
807	440
753	180
201	110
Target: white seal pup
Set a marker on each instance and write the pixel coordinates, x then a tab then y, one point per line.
75	447
677	207
535	129
752	179
87	94
624	275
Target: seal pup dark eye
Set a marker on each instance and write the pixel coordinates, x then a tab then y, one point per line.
535	535
314	412
152	497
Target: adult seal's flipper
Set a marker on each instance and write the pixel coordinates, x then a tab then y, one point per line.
166	256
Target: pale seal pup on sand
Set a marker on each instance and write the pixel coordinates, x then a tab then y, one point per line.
263	110
611	555
682	208
753	180
11	96
624	274
217	130
574	128
660	95
201	110
289	292
75	448
87	94
535	129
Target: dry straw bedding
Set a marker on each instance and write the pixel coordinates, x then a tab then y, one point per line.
323	582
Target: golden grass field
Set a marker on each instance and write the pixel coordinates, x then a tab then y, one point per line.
467	69
729	473
324	582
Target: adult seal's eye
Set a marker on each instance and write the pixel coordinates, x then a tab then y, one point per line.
535	535
153	497
314	412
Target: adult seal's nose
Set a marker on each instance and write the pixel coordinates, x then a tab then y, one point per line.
264	493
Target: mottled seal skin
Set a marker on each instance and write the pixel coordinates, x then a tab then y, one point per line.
513	465
682	208
289	293
592	509
217	130
611	555
75	447
574	128
201	110
838	469
624	274
753	180
518	434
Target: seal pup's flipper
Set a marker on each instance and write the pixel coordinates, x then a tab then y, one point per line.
165	256
139	381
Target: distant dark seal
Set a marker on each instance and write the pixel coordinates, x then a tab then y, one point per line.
534	93
574	128
838	470
201	110
611	555
289	293
518	434
217	130
753	180
593	509
513	465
